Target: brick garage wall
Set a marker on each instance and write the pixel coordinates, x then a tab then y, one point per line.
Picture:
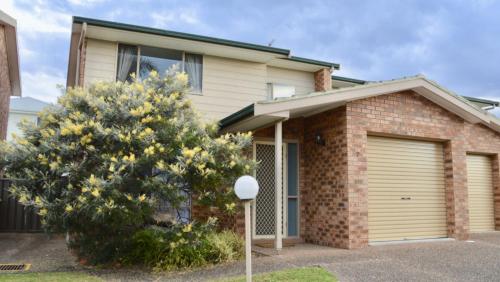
325	195
408	114
333	178
5	87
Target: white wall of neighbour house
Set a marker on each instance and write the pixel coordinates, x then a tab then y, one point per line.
15	119
100	61
228	84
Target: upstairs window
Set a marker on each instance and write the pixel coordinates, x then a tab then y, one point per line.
142	60
127	62
158	59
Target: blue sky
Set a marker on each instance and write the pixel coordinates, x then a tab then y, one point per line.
455	42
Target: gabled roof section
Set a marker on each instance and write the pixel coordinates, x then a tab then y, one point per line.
341	82
317	102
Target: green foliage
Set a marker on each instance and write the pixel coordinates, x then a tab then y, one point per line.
99	161
314	273
175	248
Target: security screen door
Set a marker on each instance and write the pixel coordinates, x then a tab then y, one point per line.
264	213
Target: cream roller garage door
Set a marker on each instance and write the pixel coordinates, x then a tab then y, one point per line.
480	183
406	195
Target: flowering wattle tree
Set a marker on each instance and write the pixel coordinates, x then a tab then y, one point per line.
100	160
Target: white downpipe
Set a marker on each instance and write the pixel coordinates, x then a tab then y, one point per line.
278	145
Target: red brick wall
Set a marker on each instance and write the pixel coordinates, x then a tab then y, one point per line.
5	87
408	114
323	80
333	178
325	195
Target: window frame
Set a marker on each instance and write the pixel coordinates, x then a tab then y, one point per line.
191	92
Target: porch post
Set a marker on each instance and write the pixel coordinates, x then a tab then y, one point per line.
278	145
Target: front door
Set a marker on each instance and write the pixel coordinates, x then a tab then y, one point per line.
264	213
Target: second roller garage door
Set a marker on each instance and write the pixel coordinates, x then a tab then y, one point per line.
481	203
406	189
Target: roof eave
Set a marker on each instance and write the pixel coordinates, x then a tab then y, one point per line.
484	101
240	115
180	35
334	66
348	79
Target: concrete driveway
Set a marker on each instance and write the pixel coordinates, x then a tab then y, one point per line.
430	261
446	260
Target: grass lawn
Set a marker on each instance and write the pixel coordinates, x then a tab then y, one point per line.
295	274
50	276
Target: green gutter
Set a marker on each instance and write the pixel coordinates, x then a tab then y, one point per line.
180	35
483	101
313	62
247	111
348	79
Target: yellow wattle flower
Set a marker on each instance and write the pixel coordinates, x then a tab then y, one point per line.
187	228
43	212
68	208
142	198
96	193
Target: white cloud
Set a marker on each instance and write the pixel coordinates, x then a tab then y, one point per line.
86	3
40	17
173	17
42	85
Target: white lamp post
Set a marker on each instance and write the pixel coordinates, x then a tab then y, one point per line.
246	188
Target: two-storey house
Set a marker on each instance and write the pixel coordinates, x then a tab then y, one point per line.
343	162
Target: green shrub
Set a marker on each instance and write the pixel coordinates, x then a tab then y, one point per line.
178	248
97	164
224	246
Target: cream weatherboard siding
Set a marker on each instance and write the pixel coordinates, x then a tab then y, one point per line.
480	183
406	189
100	61
228	86
302	80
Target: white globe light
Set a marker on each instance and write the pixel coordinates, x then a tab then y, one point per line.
246	187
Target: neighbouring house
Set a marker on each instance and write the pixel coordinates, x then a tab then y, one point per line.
10	82
343	162
23	108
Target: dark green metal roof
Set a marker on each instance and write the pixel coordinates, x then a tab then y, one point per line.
237	116
180	35
482	101
348	79
201	38
313	62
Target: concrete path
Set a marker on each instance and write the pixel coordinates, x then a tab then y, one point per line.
429	261
446	260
